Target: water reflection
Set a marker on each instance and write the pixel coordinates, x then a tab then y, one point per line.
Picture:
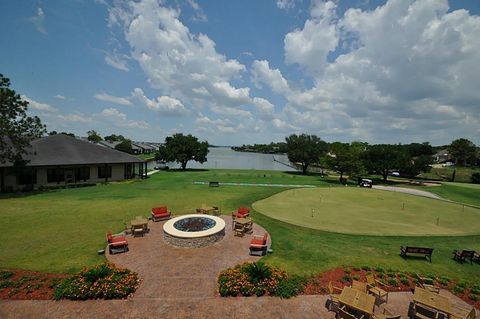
226	158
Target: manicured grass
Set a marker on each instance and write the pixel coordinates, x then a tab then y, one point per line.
307	251
458	192
370	212
61	231
463	174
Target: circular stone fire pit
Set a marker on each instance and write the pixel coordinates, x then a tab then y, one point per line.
193	231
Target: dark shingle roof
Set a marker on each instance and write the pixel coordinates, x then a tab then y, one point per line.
61	149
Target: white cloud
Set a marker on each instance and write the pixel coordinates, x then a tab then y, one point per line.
310	46
181	65
37	105
204	123
75	118
120	119
264	107
38	21
406	73
262	73
199	14
60	97
113	99
116	61
163	104
285	4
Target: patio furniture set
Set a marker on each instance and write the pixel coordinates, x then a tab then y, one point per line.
359	300
209	210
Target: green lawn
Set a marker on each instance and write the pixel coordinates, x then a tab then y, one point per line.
458	192
463	174
61	231
370	212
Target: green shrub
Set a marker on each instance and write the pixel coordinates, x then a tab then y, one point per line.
356	268
475	290
6	274
366	267
473	297
428	281
347	270
290	286
405	281
356	277
346	278
462	283
258	271
393	282
475	178
459	289
7	284
99	282
379	270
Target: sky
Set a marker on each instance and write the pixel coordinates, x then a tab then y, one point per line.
249	71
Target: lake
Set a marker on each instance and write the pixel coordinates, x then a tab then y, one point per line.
226	158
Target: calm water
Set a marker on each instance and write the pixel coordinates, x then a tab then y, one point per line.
226	158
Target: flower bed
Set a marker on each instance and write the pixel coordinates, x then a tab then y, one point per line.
99	282
258	279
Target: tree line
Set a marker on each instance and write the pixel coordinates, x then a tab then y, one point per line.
357	158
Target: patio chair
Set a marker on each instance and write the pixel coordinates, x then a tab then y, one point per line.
248	227
387	314
421	283
116	243
423	312
332	304
242	212
258	245
160	213
138	230
344	314
238	230
374	289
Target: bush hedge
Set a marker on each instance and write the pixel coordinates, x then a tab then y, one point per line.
99	282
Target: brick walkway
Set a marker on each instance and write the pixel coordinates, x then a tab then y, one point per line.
181	283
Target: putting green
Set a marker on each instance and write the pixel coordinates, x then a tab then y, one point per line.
370	212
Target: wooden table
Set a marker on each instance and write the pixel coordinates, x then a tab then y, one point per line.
139	222
204	209
432	300
357	300
358	285
244	223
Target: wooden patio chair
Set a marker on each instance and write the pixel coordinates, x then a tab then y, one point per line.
344	314
334	292
387	314
421	283
374	289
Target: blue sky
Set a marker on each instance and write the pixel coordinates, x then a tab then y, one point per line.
234	72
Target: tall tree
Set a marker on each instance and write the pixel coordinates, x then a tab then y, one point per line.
383	158
346	158
125	146
462	151
305	149
17	129
93	136
182	149
114	138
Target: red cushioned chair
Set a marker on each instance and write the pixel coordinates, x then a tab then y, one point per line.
116	243
258	245
242	212
160	213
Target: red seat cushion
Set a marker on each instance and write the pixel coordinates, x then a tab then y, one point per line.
256	242
160	210
243	210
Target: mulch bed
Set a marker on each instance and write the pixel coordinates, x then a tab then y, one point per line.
28	285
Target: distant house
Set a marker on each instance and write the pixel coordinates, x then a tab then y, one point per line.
146	147
441	156
60	159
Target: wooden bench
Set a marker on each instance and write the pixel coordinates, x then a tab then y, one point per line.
463	255
213	184
427	252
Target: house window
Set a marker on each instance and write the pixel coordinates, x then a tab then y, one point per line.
55	175
27	176
104	172
82	173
